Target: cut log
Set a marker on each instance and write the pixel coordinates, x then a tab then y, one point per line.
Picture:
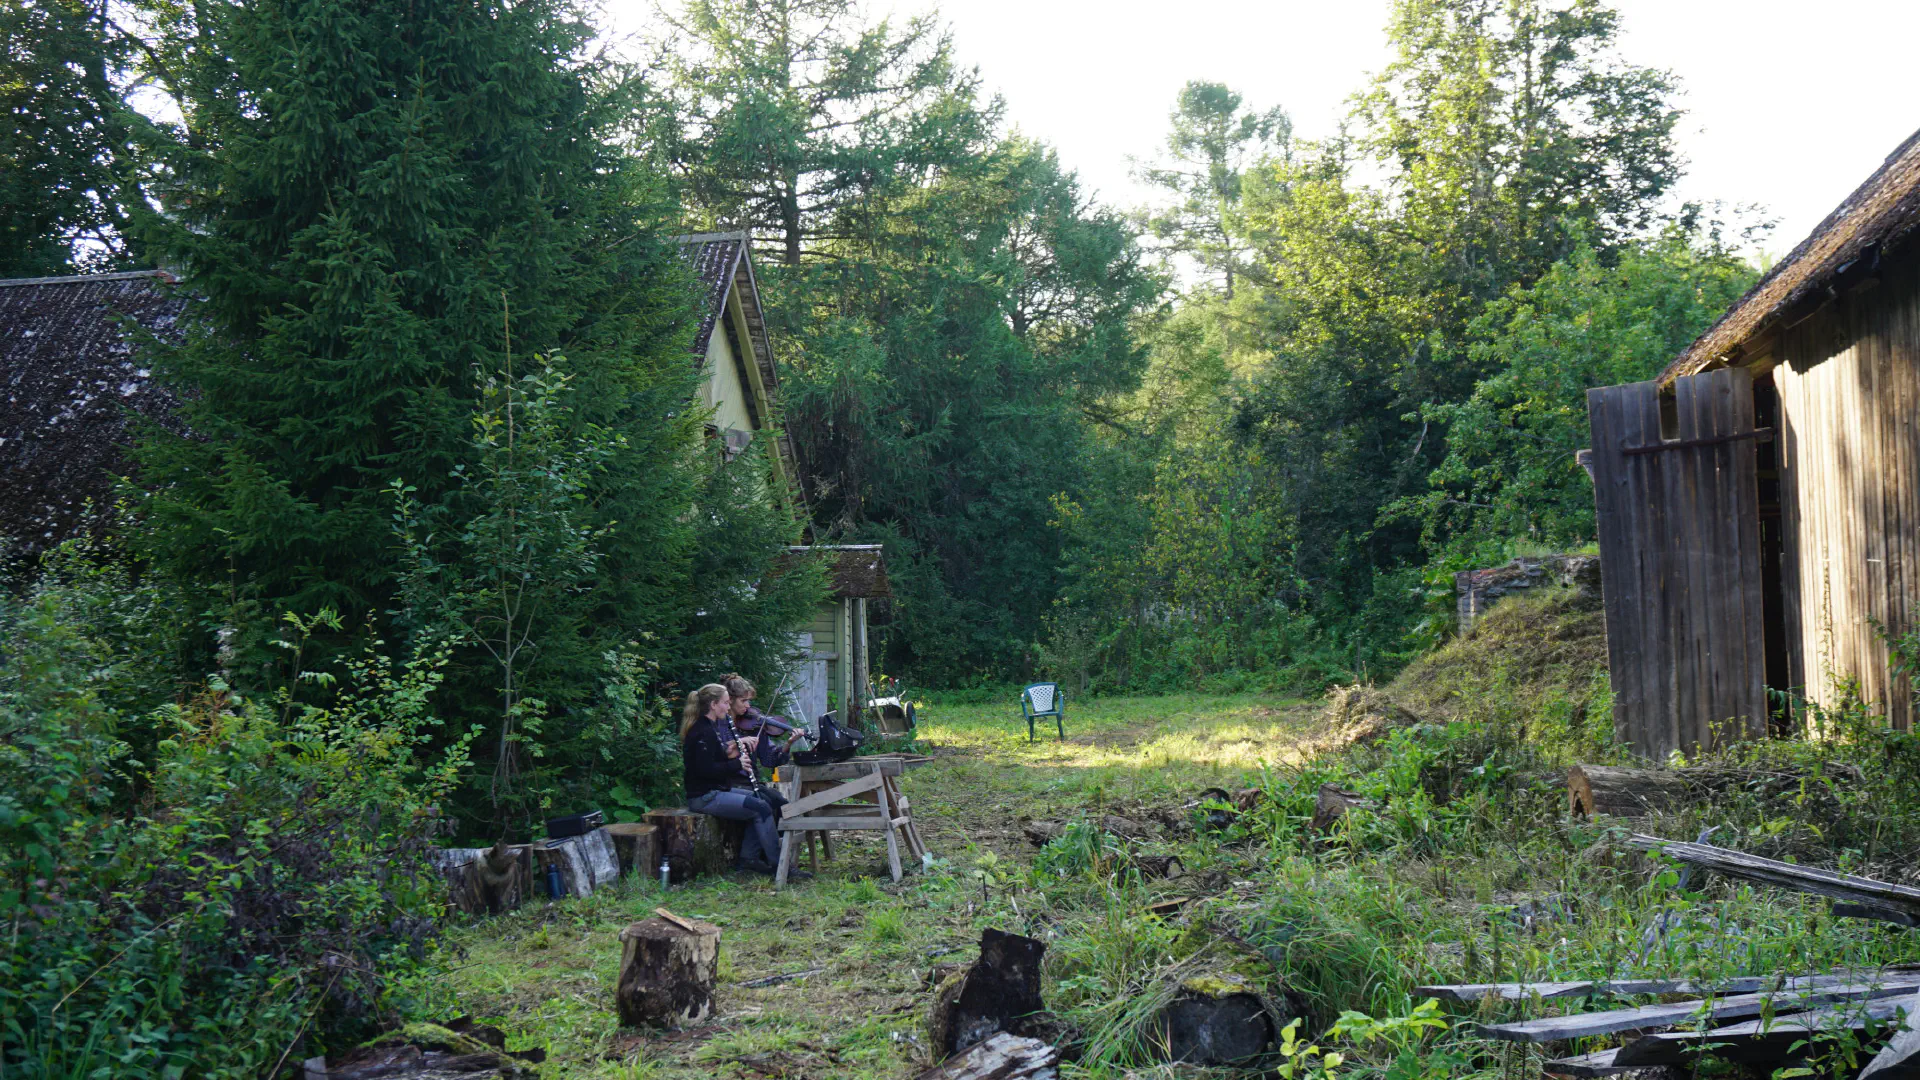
995	993
1215	1020
1609	789
638	847
587	862
1605	789
695	844
667	973
1900	1058
1757	1041
1160	867
1332	804
999	1056
1737	1007
1847	888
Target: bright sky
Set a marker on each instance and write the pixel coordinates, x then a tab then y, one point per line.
1789	105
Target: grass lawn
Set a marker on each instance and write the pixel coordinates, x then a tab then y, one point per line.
546	973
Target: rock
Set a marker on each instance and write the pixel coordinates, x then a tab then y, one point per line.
667	972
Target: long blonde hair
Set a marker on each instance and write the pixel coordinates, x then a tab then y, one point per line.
698	703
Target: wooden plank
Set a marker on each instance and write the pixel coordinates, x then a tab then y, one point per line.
1755	1041
1828	883
847	770
1618	416
833	795
1599	1063
1758	435
817	822
1736	1007
1900	1058
1468	993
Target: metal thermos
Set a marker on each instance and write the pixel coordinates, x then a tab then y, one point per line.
664	871
555	887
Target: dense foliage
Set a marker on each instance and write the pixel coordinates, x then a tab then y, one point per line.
192	888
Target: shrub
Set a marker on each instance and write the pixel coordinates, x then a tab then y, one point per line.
265	888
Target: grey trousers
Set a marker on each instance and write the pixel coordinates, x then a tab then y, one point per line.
741	804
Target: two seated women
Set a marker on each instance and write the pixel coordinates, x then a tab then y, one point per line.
719	767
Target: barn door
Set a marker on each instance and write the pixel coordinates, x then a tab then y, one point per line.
1679	526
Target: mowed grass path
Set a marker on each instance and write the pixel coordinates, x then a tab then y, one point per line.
546	973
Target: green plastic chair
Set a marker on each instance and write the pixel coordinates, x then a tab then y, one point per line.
1044	699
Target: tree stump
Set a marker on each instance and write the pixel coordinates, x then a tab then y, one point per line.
999	1057
695	844
1215	1020
638	847
667	972
587	862
998	992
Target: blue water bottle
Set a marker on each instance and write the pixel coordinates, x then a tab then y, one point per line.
555	887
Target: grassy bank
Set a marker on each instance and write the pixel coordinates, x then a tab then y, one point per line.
1466	868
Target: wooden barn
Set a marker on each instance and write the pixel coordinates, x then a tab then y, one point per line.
1759	502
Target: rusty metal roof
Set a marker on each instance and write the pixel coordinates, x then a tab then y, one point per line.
71	376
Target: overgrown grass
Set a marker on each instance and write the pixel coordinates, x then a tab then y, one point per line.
1465	868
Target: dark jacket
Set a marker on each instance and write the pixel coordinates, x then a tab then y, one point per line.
707	766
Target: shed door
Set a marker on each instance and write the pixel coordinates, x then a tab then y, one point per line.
1680	562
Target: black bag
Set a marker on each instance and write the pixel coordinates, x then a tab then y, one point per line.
834	743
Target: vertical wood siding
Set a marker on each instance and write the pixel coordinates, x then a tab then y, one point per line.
1849	382
1680	564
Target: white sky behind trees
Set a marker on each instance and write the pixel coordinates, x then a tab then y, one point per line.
1789	105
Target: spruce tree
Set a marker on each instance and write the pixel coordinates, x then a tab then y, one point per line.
381	204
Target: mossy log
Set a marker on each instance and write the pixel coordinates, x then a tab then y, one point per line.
1215	1019
667	972
695	844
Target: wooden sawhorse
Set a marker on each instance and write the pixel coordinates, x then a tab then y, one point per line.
816	802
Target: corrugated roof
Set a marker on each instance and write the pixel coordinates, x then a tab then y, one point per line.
1880	215
69	375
